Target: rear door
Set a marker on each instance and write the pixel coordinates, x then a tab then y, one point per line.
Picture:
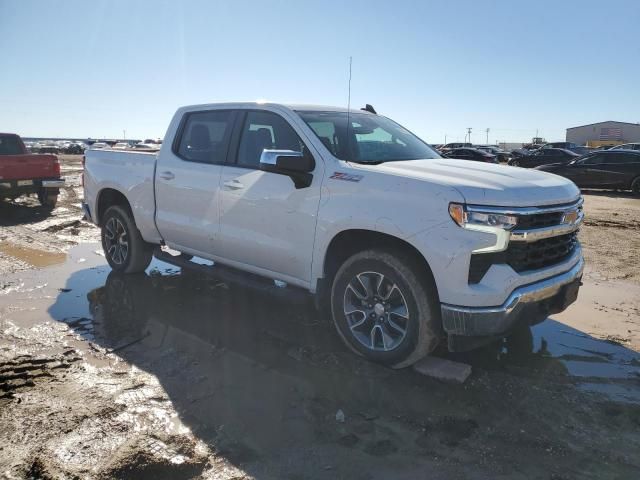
266	224
590	170
187	180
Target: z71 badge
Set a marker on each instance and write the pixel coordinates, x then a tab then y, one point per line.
346	177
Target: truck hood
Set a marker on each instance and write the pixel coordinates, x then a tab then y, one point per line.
485	183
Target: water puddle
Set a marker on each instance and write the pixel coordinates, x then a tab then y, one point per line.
32	256
554	348
115	312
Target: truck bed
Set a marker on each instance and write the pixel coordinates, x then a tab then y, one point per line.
123	171
27	166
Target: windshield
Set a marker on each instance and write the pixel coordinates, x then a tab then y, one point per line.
368	138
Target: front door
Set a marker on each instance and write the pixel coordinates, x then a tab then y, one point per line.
266	223
187	181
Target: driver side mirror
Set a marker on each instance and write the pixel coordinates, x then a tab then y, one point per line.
296	165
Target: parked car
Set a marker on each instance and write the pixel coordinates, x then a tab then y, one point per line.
450	146
574	147
627	146
121	146
471	154
501	155
394	239
544	156
49	147
611	169
75	149
22	173
151	147
519	153
99	146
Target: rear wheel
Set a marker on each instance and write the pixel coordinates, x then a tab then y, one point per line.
385	308
123	246
515	163
47	198
635	186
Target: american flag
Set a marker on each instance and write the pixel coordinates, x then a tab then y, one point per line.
610	133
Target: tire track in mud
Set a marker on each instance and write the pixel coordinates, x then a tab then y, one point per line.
23	371
630	225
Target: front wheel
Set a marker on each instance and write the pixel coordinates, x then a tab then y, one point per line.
124	248
385	308
635	187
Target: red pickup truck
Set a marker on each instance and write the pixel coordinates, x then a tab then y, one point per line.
23	173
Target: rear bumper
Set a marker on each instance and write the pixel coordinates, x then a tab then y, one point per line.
57	183
528	304
29	185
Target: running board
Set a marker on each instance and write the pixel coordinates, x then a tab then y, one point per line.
232	275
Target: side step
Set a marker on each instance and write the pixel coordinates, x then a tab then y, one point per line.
234	276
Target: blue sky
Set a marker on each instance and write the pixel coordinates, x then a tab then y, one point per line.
94	68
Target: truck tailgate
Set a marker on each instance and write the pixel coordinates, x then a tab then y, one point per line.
22	167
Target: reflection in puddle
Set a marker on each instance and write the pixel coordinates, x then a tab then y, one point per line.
553	348
272	322
37	258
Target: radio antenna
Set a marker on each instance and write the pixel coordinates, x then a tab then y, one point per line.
349	109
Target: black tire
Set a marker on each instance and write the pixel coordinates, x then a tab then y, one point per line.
119	230
514	163
47	198
635	186
415	288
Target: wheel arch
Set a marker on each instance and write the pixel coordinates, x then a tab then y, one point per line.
108	197
349	242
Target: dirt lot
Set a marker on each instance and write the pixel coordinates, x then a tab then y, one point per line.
170	375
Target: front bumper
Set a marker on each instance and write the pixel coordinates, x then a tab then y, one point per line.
528	304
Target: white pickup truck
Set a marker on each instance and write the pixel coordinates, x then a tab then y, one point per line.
407	248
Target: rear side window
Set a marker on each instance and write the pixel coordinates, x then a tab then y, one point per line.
205	136
9	145
265	131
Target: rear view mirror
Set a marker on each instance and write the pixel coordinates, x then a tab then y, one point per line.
296	165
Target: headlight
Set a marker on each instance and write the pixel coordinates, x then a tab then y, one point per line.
468	219
488	222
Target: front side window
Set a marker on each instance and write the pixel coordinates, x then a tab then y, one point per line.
205	136
265	131
366	138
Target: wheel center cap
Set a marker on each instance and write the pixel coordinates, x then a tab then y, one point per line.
379	309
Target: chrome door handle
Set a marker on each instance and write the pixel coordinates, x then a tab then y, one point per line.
167	175
233	185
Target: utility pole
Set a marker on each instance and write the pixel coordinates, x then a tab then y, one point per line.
445	138
469	134
487	135
124	134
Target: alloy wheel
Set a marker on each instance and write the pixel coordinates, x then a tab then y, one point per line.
116	241
376	311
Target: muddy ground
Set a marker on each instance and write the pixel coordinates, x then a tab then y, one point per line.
174	375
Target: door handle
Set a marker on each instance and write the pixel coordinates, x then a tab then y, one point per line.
233	185
167	175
